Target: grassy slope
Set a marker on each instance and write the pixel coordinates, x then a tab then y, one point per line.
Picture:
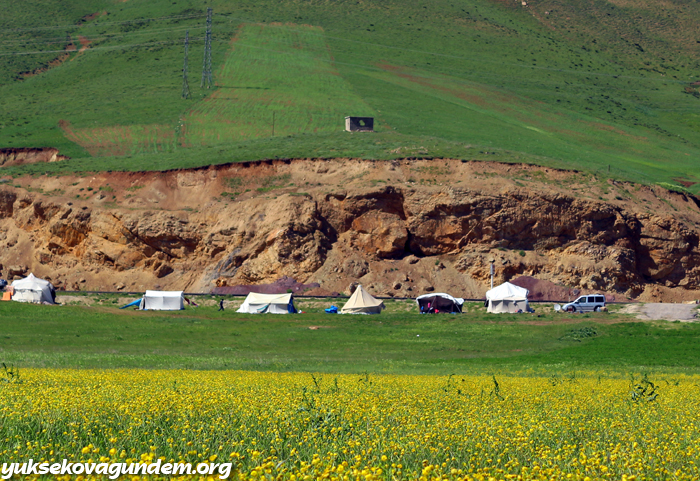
577	87
272	70
397	342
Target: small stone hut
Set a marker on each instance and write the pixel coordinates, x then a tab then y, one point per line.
359	124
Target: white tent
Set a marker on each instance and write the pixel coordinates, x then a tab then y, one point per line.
507	298
33	289
362	302
162	301
257	303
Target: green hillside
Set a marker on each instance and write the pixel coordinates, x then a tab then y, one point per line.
605	86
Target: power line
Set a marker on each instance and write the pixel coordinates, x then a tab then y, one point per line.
458	57
448	77
113	47
343	39
364	67
100	24
438	76
206	67
104	36
367	67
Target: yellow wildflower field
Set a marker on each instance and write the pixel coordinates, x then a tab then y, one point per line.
297	426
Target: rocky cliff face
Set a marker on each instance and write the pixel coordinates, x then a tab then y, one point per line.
19	156
399	228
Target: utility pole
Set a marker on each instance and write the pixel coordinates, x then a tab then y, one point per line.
206	67
185	84
492	271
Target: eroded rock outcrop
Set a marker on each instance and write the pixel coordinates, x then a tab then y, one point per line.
20	156
186	230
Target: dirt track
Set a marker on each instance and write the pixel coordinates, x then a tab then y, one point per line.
663	311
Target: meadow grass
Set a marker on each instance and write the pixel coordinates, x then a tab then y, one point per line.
576	87
378	145
400	341
292	426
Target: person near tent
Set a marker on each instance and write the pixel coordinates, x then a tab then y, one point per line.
221	305
428	309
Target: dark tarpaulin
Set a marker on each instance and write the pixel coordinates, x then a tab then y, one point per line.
437	303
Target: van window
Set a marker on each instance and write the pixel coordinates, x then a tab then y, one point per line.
600	298
591	299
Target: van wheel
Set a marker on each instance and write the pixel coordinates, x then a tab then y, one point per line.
596	309
572	309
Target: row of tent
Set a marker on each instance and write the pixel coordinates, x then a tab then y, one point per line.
361	302
501	299
254	304
506	298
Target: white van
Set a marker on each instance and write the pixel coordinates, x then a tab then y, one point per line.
588	303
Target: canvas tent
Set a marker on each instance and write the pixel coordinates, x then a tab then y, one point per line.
162	301
439	303
33	289
362	302
507	298
257	303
